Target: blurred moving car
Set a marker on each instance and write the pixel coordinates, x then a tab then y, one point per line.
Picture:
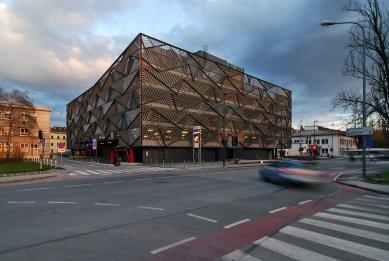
382	157
288	171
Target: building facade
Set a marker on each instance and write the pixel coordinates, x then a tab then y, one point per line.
332	143
57	135
147	104
25	142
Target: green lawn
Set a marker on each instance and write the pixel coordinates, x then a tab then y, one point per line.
381	178
22	167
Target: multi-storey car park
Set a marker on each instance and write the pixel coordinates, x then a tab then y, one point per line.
147	105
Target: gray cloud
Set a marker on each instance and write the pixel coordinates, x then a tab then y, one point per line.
58	49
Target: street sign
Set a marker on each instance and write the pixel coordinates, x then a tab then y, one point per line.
94	144
44	142
61	147
369	142
359	131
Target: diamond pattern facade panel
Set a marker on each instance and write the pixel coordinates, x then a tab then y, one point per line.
154	93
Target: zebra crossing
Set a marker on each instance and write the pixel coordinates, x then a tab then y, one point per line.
356	230
104	172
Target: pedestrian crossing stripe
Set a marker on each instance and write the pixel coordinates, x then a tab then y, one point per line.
345	245
332	214
116	171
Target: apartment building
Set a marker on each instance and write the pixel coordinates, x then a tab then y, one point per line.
23	135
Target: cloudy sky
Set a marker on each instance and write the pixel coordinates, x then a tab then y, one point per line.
57	49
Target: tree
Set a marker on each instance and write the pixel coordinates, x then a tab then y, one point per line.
375	21
18	115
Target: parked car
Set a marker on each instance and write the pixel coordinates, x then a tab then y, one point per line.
290	171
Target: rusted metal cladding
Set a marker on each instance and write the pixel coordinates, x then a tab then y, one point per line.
155	93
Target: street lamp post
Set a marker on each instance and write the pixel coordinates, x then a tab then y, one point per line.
327	23
224	130
332	143
314	138
300	138
281	132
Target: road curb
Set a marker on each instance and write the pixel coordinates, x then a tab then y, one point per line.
364	188
26	179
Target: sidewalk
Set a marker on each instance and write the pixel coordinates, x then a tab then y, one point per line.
354	179
351	178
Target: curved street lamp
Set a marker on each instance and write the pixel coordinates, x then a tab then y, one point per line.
224	129
300	138
330	22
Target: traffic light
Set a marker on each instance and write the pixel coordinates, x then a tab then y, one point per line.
235	141
332	149
314	147
40	134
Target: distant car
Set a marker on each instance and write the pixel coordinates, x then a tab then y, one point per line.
382	157
288	171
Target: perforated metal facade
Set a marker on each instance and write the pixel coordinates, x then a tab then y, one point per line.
154	93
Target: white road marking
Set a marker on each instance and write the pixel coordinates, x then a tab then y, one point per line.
278	209
370	204
92	171
172	245
354	220
347	230
81	172
150	208
348	246
374	197
111	182
106	204
81	185
306	201
293	251
61	202
203	218
32	189
364	209
236	223
167	177
356	213
239	255
141	179
21	202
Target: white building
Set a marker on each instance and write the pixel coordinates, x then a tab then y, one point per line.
324	138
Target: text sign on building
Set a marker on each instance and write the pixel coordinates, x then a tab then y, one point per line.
360	131
94	144
61	147
369	142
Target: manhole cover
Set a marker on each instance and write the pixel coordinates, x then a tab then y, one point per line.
160	182
53	212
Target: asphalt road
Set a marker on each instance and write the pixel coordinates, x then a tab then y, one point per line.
175	214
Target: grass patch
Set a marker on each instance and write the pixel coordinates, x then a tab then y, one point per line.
23	167
379	178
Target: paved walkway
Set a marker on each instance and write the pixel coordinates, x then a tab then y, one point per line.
351	178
